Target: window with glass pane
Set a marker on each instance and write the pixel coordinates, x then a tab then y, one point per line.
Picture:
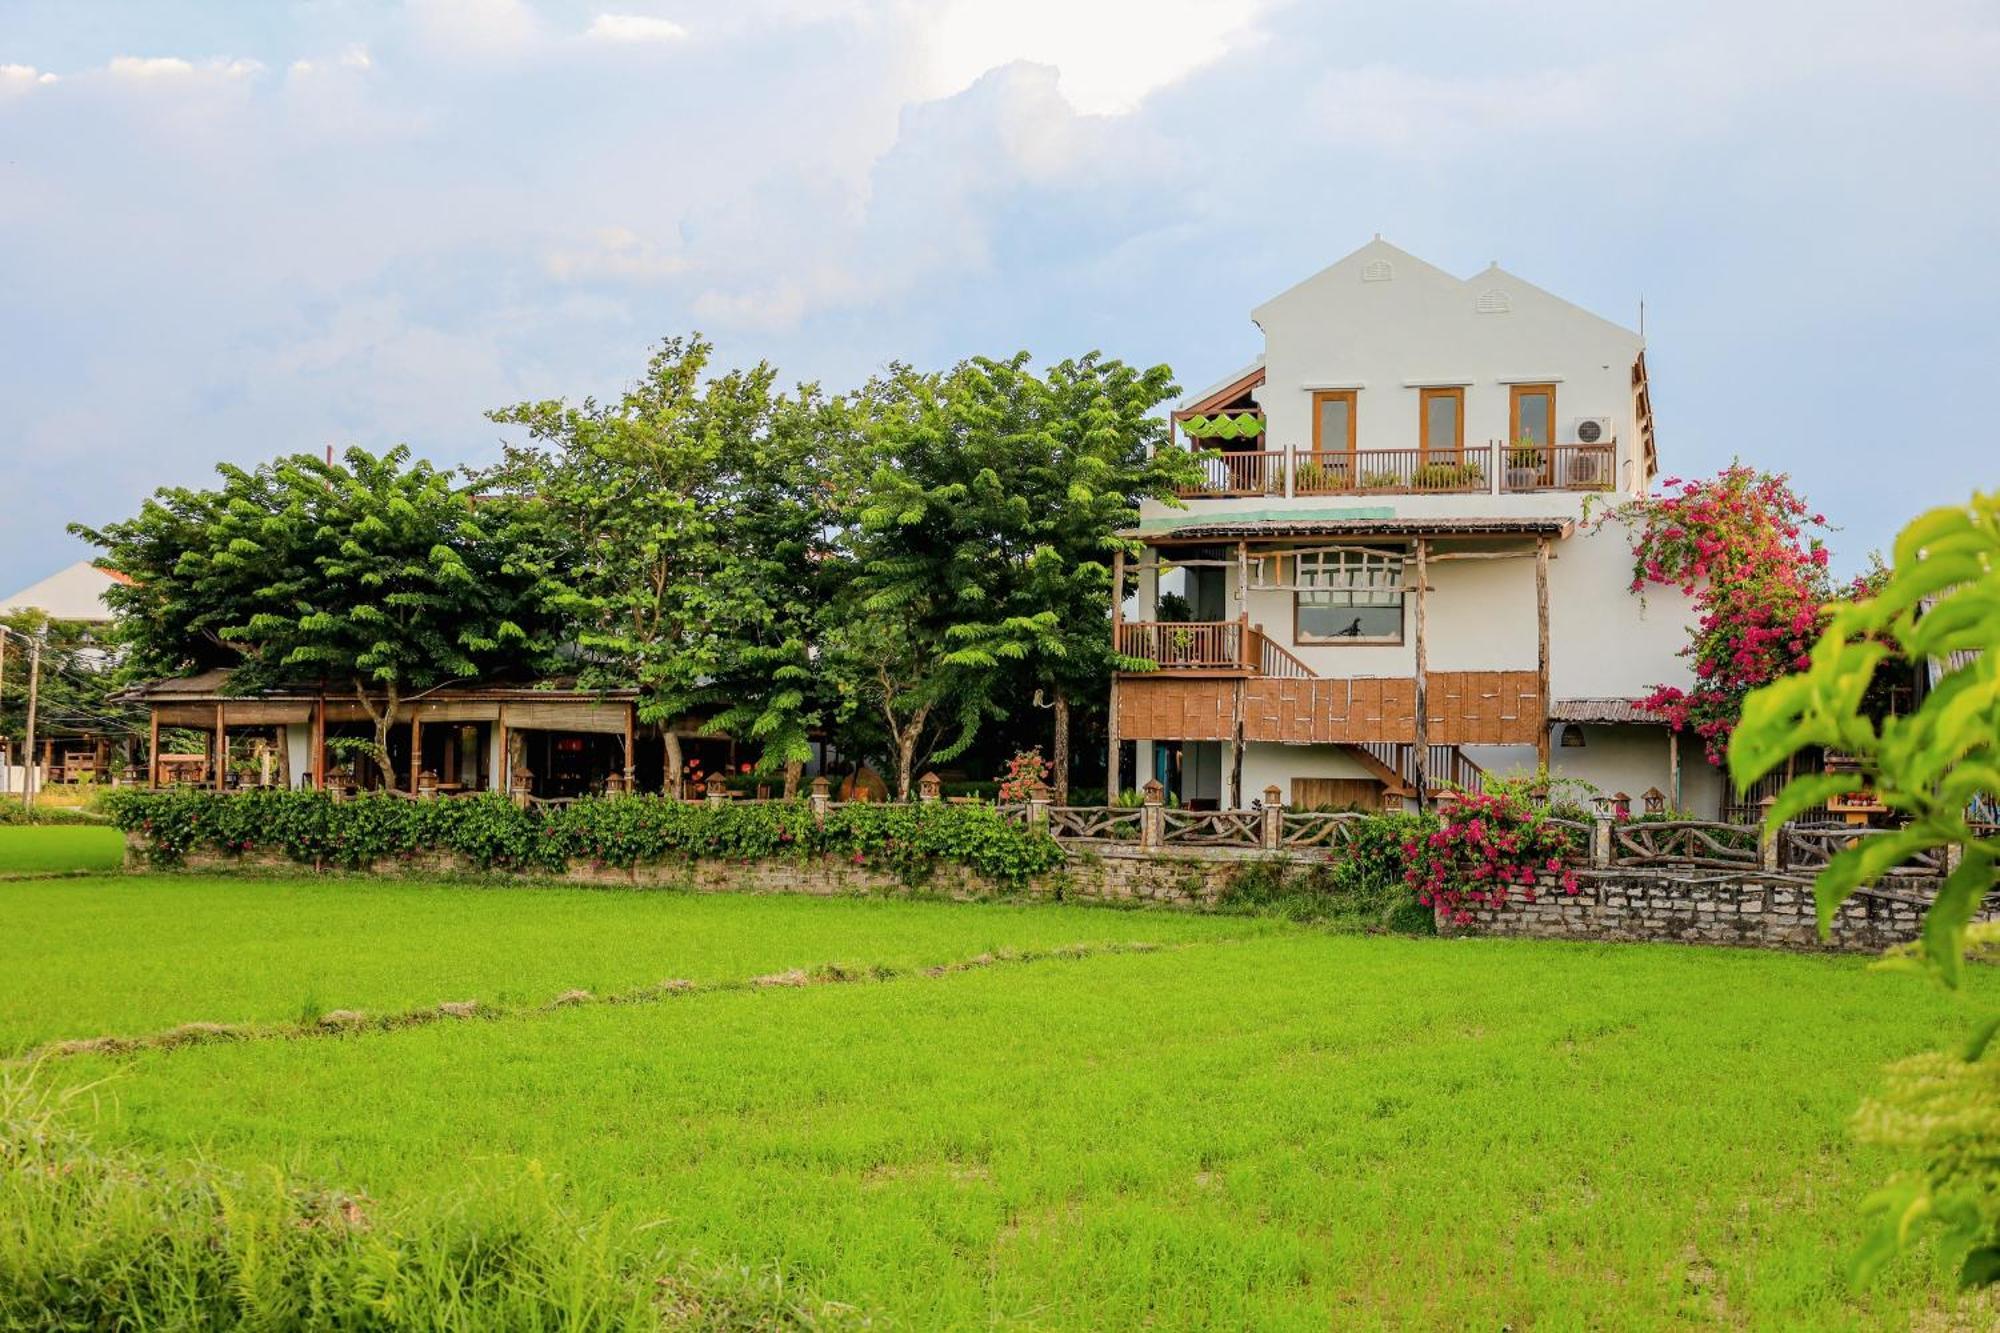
1333	421
1534	414
1350	596
1443	425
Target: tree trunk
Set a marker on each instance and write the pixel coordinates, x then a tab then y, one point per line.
792	770
906	758
383	721
673	779
1061	761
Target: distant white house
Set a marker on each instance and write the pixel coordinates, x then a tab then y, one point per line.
75	593
1391	571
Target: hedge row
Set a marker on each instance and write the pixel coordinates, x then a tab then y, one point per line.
493	833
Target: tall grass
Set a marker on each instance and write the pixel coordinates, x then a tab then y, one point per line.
102	1240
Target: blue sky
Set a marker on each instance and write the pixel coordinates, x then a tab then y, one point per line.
234	230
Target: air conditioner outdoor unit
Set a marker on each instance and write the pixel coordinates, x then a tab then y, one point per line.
1591	430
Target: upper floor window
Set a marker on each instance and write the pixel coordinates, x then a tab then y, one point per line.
1442	413
1333	421
1531	415
1349	595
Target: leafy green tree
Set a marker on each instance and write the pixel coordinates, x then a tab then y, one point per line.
989	523
1937	768
689	533
78	671
374	573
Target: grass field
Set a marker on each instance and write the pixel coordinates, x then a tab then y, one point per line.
40	849
1261	1127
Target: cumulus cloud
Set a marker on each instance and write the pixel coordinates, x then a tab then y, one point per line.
355	57
174	69
634	29
17	79
617	254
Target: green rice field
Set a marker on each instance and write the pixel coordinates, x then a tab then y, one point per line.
1248	1126
43	849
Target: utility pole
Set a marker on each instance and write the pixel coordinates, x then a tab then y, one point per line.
34	690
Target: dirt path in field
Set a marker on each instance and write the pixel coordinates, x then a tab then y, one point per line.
352	1022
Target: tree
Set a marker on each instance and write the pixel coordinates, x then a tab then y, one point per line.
77	674
692	551
372	573
1741	545
993	510
1935	768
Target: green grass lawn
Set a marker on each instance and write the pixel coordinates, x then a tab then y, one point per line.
38	849
1276	1130
130	956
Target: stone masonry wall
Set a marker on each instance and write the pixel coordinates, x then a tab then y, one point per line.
1695	908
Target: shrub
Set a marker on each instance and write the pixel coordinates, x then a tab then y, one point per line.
620	831
1364	889
1485	846
97	1240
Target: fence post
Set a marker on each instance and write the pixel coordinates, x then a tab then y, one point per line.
1770	841
930	787
1274	818
1600	841
1153	815
718	793
1038	806
819	799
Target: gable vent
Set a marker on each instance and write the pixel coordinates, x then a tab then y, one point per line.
1494	302
1377	270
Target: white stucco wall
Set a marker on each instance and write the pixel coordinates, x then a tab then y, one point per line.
1266	765
1388	340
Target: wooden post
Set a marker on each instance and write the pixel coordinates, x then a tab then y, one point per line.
34	696
1542	650
1770	841
319	743
221	749
1236	748
506	787
1674	768
1111	717
416	746
1423	702
1274	818
153	749
631	728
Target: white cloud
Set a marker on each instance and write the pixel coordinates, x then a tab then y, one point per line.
631	29
475	30
1111	53
162	69
15	79
618	254
355	57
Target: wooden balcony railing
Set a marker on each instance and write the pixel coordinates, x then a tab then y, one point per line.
1194	645
1390	472
1210	645
1559	467
1254	472
1476	470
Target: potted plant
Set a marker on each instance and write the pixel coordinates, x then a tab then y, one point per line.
1525	461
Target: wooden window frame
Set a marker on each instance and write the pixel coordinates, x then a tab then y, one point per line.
1515	393
1352	398
1425	453
1299	637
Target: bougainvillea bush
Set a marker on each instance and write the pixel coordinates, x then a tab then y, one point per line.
1746	547
621	831
1485	849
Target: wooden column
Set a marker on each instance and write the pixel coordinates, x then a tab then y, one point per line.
153	750
319	743
1674	768
1236	750
221	748
631	727
1111	716
1243	602
1542	649
506	785
1423	701
416	747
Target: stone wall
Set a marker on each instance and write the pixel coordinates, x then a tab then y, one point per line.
1754	911
1195	877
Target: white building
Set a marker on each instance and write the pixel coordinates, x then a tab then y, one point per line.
1401	420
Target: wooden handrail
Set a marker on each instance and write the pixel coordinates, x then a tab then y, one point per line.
1558	467
1180	645
1245	472
1390	471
